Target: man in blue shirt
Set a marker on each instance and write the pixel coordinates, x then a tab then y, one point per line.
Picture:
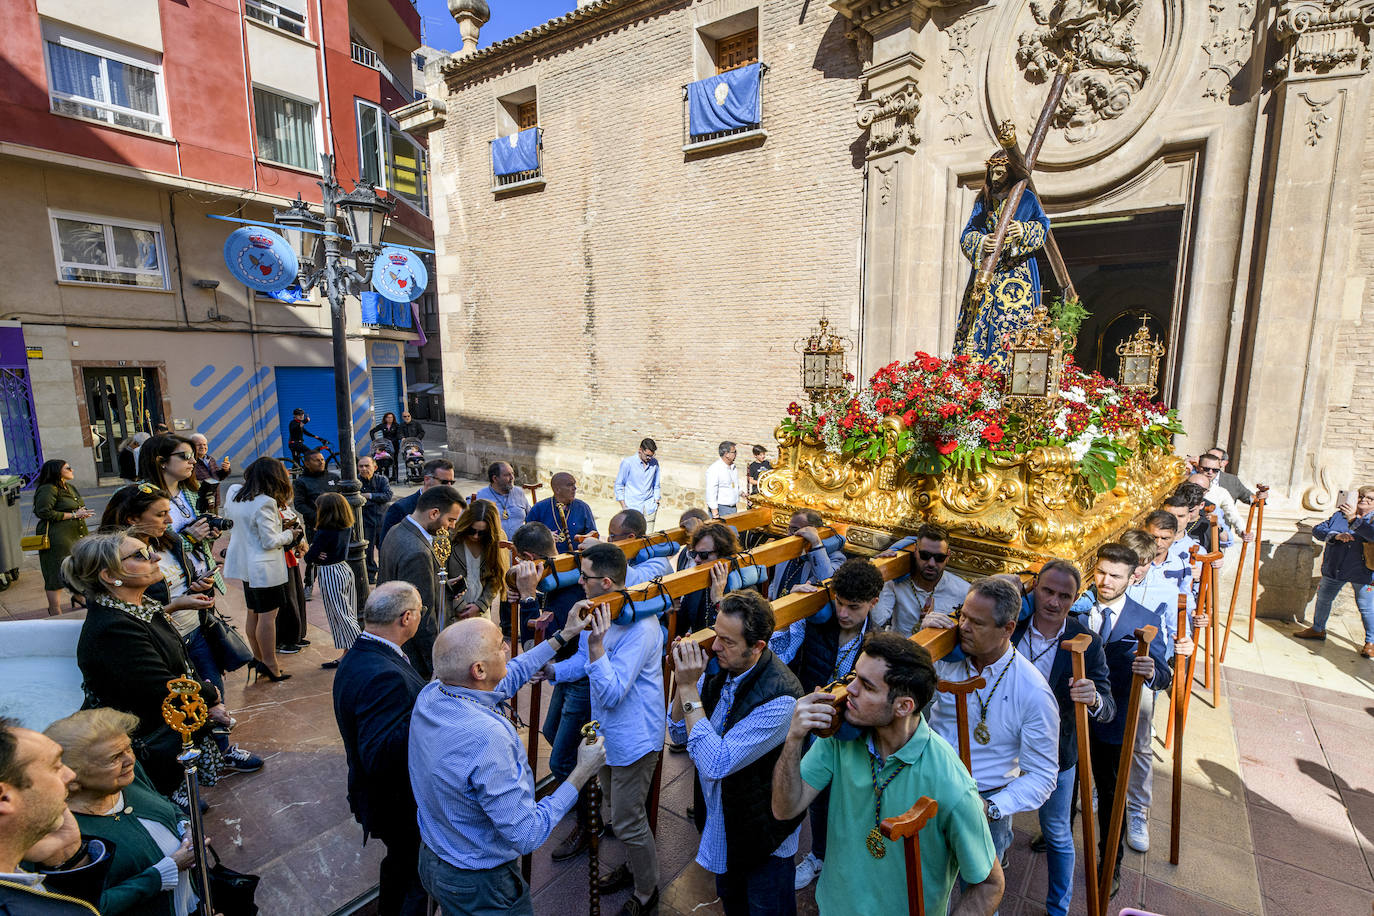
502	493
473	787
563	513
1346	533
624	664
636	483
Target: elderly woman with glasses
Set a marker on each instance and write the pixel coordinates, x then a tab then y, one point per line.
477	540
129	649
150	872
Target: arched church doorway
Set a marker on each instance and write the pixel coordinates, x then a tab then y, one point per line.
1124	267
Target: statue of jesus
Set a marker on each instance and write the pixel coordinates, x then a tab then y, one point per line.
985	317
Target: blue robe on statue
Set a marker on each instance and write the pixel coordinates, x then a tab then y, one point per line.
1015	289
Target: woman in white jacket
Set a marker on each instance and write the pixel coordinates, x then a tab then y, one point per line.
257	555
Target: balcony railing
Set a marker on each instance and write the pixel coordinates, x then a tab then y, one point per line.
369	58
691	141
527	178
365	56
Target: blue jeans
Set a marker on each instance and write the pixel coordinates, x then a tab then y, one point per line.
1364	601
498	891
1057	827
765	890
570	708
204	660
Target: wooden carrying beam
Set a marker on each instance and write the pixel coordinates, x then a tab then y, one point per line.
741	521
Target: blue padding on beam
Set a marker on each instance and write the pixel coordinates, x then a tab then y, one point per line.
631	612
833	543
823	615
561	580
745	576
654	551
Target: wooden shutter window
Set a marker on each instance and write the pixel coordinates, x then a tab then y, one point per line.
527	115
737	50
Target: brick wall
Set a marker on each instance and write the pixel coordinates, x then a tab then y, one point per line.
644	291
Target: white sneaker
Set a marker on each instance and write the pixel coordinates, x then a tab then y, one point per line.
1138	831
807	870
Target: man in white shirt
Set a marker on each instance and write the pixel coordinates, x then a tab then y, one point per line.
722	483
1014	718
905	603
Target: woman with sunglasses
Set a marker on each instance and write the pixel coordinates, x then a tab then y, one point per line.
477	540
129	649
169	463
62	517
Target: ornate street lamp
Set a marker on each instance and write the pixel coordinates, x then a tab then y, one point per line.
367	215
303	229
1140	355
823	362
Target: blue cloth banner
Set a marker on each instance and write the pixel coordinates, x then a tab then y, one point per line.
399	313
516	153
727	101
290	294
371	307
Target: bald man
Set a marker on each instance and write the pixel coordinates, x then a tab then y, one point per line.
563	513
209	474
473	786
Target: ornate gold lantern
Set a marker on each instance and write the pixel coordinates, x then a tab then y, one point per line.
1140	355
823	362
1035	357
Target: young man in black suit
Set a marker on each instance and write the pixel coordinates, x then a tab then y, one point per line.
374	691
1044	626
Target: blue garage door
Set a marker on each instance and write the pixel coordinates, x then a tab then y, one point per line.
386	394
313	389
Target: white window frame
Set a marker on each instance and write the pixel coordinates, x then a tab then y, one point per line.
109	222
67	37
385	125
315	126
273	10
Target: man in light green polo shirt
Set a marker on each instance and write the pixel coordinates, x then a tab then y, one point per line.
893	763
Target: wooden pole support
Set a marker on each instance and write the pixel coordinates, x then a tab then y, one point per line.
1143	637
1213	642
1176	727
907	827
1261	497
1076	647
961	690
1235	586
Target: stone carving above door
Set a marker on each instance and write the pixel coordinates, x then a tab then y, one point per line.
1126	53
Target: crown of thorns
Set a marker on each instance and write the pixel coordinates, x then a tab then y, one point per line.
1000	156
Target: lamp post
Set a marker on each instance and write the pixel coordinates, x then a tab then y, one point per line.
366	214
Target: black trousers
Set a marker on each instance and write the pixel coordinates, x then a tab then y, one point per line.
1106	758
400	892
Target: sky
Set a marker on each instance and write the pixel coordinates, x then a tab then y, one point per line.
508	17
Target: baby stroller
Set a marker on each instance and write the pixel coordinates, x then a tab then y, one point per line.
413	454
380	450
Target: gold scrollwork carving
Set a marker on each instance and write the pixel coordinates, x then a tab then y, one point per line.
968	493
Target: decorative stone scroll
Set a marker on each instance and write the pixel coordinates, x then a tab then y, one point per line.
1110	70
1229	43
1322	37
891	119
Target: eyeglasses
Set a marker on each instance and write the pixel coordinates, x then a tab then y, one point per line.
700	556
1209	471
441	480
937	557
184	456
143	553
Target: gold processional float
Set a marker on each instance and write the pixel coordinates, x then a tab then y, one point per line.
1036	462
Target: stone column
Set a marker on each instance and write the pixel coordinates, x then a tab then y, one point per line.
1307	274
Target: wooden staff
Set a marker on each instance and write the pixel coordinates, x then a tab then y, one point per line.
589	732
1143	637
1240	570
907	827
1176	726
961	690
1076	647
1213	644
1261	497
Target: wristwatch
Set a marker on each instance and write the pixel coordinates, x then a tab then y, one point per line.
689	707
994	813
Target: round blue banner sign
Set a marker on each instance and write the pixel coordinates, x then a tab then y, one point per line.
399	275
260	258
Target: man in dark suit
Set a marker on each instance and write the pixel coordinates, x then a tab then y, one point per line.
1115	617
374	691
1044	626
438	472
408	556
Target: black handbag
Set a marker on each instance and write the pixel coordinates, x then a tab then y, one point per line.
231	892
227	645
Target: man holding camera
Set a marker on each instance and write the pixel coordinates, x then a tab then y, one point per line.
309	486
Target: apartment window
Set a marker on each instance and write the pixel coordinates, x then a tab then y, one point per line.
527	115
737	50
91	78
286	130
390	158
93	249
279	15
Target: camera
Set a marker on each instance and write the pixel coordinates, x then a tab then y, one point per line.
216	523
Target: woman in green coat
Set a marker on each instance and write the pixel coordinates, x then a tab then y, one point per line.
62	517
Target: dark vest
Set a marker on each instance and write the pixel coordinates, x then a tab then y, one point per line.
820	648
752	834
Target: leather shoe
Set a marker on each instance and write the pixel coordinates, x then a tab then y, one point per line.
1037	843
576	841
1367	651
1310	633
1116	883
633	907
616	879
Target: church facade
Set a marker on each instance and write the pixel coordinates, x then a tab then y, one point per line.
1205	173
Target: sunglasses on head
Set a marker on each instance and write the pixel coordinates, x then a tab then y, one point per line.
937	557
